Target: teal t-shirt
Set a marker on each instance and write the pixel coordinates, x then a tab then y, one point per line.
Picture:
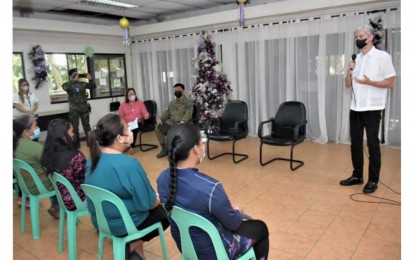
124	176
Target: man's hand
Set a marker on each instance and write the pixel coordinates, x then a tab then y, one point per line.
365	80
159	122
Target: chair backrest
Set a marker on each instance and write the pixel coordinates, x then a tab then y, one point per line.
235	110
149	124
57	179
185	220
18	166
98	196
289	114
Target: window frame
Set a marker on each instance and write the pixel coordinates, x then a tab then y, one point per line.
23	67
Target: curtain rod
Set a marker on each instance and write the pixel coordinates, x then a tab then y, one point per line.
282	22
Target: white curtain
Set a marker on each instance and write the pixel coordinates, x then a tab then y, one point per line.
270	64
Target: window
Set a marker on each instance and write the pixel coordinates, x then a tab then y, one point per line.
109	75
18	69
59	65
107	70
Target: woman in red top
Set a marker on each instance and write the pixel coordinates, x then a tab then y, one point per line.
131	109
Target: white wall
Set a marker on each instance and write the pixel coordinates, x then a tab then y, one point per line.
24	40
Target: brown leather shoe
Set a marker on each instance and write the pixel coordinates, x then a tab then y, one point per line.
351	181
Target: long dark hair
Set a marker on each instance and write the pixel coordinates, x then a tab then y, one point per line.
57	139
19	84
126	95
104	134
180	140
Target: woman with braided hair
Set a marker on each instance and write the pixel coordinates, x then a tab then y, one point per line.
183	185
109	168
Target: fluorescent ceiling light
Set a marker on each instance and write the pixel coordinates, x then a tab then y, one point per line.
107	4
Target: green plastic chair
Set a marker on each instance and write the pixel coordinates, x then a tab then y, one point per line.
185	220
72	216
98	197
19	165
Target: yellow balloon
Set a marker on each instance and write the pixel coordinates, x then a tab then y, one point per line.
124	23
242	1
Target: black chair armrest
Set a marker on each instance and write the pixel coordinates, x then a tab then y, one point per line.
297	129
261	126
236	126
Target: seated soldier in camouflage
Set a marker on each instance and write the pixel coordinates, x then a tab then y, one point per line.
78	105
180	111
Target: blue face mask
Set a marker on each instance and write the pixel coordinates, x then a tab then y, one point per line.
36	133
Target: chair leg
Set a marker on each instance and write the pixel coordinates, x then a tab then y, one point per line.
291	160
118	246
163	242
300	163
141	145
23	214
34	217
100	246
244	156
61	230
71	229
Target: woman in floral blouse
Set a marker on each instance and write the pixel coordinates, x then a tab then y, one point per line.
61	155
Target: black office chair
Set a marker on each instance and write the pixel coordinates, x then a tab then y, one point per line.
148	125
233	127
288	129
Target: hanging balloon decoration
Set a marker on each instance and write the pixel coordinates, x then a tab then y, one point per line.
125	25
242	4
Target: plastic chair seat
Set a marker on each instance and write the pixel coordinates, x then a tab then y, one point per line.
185	220
34	199
98	196
71	215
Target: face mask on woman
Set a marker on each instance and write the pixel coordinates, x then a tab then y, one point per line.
36	133
203	155
24	88
131	98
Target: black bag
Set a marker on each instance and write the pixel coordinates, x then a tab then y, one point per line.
114	105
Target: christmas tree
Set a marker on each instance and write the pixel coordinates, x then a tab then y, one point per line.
211	89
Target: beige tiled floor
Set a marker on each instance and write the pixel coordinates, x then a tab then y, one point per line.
308	214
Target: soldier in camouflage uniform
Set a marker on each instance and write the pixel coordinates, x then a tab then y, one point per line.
179	111
78	105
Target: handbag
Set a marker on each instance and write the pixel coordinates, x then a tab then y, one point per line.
114	105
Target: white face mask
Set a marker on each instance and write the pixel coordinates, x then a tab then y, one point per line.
203	155
131	98
25	88
129	140
36	133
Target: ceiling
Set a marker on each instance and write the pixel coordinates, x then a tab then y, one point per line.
147	12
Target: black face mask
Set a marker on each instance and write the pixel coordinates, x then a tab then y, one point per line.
178	94
361	43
